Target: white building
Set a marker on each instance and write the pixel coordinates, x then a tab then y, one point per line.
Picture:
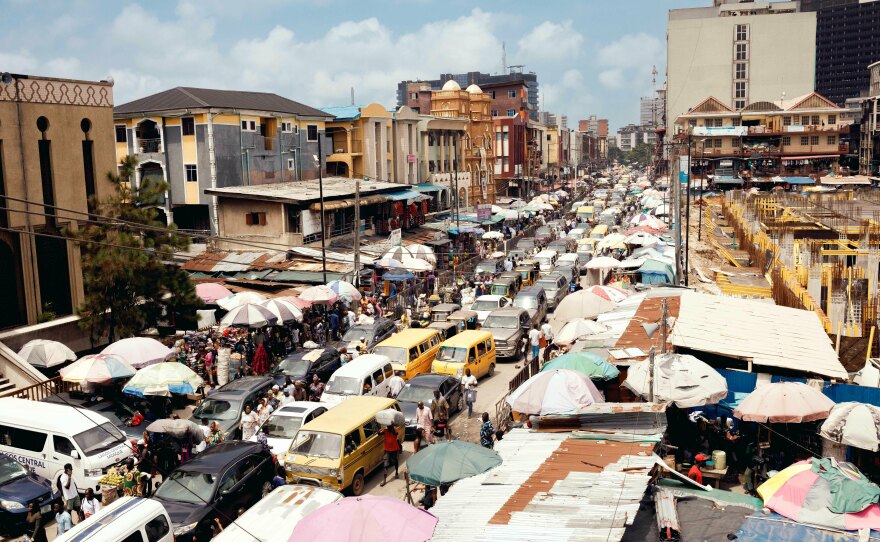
741	53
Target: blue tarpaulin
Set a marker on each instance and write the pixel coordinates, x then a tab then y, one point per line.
760	527
404	195
799	180
742	382
425	187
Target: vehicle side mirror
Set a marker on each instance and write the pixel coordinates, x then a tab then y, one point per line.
74	454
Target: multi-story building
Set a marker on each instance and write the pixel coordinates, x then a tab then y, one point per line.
595	125
56	149
195	138
847	40
869	145
361	138
416	94
742	53
649	110
792	137
633	135
511	152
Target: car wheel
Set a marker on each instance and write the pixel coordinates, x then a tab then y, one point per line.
491	369
266	489
357	485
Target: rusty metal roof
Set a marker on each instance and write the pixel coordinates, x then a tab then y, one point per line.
237	262
649	310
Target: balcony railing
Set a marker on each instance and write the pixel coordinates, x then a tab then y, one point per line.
149	145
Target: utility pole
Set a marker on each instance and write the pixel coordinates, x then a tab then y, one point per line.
323	219
357	232
702	189
675	185
687	228
663	325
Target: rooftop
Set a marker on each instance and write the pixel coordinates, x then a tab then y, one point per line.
300	192
189	98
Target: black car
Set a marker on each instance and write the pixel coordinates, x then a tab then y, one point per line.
303	364
226	404
374	333
215	484
18	487
421	388
119	413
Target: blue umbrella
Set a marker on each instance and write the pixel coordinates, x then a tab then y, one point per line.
449	461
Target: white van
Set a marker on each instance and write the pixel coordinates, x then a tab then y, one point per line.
127	519
546	260
44	436
275	516
364	375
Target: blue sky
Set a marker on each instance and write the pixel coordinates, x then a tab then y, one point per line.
591	56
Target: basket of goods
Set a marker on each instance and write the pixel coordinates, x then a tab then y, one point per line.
110	484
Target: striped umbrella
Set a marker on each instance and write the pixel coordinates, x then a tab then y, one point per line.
249	315
139	351
97	369
295	301
163	379
345	290
239	299
319	295
45	354
284	310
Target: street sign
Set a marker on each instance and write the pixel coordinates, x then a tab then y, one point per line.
684	166
396	237
484	212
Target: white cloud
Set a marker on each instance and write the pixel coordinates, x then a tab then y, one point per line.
550	41
628	60
569	94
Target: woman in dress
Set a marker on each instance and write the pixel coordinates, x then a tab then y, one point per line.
36	527
248	423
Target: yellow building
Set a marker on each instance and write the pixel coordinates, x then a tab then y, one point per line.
361	138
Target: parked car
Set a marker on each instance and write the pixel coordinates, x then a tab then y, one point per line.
374	333
440	312
573	259
563	245
488	303
508	327
567	270
534	301
489	266
145	520
544	235
286	421
517	254
225	405
215	484
527	243
555	286
118	412
577	233
421	388
546	260
447	329
18	487
303	364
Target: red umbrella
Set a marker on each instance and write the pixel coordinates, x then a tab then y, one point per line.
296	301
261	360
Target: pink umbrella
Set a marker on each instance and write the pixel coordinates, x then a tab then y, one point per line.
555	392
366	519
319	295
210	292
784	402
139	351
296	302
609	292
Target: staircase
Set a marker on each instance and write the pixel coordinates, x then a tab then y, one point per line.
5	385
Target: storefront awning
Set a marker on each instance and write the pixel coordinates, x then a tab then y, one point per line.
857	179
725	179
346	203
795	180
790	158
426	187
410	196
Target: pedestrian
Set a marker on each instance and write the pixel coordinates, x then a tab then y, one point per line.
69	491
395	384
216	436
248	423
333	321
535	337
440	413
695	473
299	391
280	477
316	389
263	438
36	527
424	426
487	432
286	398
63	522
206	431
392	452
546	338
469	390
90	505
209	366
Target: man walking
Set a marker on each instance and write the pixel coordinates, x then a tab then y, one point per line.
440	413
424	426
69	491
487	432
535	340
392	452
469	390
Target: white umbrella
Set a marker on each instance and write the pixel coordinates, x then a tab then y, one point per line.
388	263
612	240
139	351
285	311
577	329
497	254
320	295
661	210
496	210
642	238
398	253
249	315
415	264
345	290
493	235
581	304
239	299
554	392
422	252
510	214
44	354
853	424
679	379
603	262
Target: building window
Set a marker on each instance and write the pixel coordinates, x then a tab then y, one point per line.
739	104
494	112
815	120
286	126
188	126
692	123
786	141
814	140
291	164
718	143
786	121
121	134
742	51
492	93
739	89
719	123
805	141
796	120
191	171
255	219
832	140
742	32
511	112
249	126
413	95
735	122
740	70
511	93
311	132
294	220
832	119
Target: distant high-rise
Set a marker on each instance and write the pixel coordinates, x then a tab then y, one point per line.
595	125
648	108
413	93
847	41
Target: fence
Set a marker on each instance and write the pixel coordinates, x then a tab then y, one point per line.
41	390
503	412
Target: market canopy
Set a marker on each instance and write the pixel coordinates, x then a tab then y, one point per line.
163	379
45	354
367	518
679	379
853	424
450	461
586	363
139	351
554	392
784	402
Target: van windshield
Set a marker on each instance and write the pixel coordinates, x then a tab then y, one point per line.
395	353
344	385
317	444
526	302
99	439
502	322
451	353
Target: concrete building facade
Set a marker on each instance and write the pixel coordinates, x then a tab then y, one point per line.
869	144
741	53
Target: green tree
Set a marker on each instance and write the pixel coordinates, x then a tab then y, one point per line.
129	283
642	154
614	153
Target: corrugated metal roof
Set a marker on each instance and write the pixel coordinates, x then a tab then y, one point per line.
767	335
182	98
649	311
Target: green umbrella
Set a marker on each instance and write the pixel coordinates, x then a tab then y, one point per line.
449	461
584	362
